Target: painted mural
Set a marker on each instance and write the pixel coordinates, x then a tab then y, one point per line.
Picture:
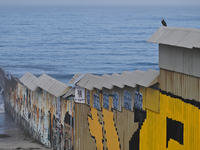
41	114
159	120
173	125
176	126
108	129
105	131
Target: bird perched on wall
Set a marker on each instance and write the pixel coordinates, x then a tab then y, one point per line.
163	22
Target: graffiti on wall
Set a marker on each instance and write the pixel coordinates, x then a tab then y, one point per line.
138	101
88	97
175	127
127	100
38	112
96	101
69	129
115	100
58	108
105	100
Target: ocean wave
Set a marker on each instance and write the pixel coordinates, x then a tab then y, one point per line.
2	108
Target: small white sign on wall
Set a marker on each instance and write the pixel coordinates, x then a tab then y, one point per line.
79	94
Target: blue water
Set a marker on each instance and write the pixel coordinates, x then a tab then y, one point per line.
62	41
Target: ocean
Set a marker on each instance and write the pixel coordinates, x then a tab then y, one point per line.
63	41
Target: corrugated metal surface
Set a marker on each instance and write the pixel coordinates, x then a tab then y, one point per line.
147	78
71	92
166	57
95	126
130	79
90	84
185	126
196	62
98	83
133	78
179	59
52	85
84	80
48	119
77	77
185	86
28	79
119	82
108	83
152	101
176	36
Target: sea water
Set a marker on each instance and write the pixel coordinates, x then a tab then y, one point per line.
62	41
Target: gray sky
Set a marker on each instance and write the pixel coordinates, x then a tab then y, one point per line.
99	2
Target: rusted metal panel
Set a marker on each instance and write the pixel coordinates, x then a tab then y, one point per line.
180	84
36	113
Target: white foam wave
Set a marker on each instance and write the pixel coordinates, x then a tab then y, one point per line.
2	104
2	108
1	91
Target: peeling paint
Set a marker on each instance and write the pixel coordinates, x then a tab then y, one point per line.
35	111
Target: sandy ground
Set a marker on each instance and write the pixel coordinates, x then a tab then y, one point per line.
14	139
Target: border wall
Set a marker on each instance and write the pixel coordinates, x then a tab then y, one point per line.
152	110
44	117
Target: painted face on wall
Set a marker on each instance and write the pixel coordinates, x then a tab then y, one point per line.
176	126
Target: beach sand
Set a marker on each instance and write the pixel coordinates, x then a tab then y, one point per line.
14	139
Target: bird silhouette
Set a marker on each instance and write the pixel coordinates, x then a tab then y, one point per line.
163	22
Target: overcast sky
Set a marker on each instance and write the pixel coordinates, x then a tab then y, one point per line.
99	2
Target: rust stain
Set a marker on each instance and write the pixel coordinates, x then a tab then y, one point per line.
38	114
51	110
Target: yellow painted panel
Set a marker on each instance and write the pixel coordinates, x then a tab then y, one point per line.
152	100
111	133
96	128
153	133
